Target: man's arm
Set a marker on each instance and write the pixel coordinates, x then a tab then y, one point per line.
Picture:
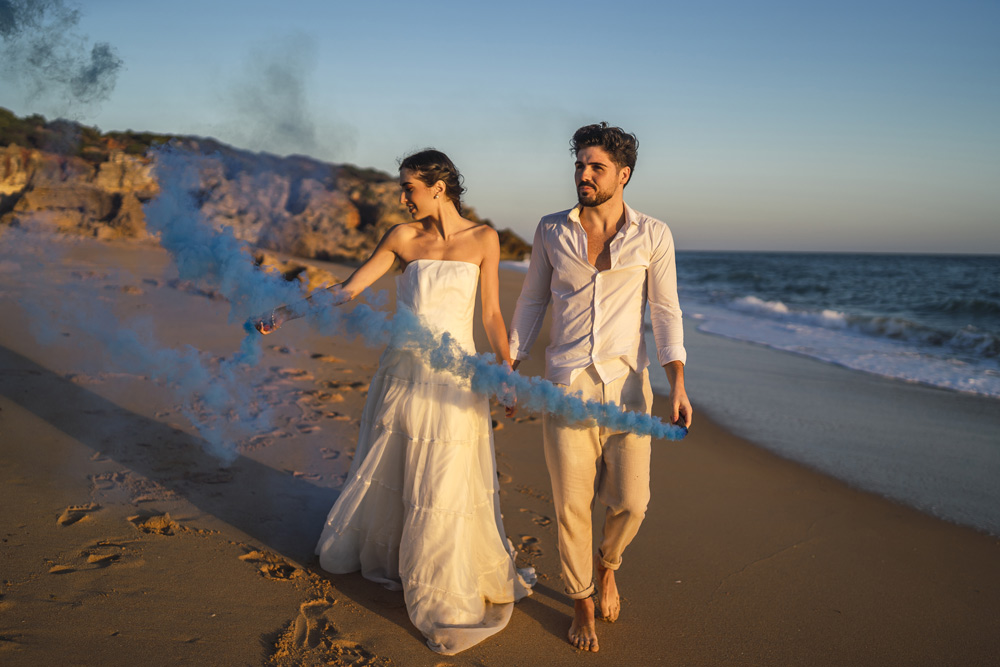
533	301
667	322
531	305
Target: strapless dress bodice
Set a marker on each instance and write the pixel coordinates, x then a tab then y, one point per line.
442	293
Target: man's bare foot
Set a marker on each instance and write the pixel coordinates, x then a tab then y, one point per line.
583	632
607	593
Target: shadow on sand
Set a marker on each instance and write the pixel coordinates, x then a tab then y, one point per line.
283	513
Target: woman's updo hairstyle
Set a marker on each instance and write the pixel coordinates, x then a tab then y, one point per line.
431	166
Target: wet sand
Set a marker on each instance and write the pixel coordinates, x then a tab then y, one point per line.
124	542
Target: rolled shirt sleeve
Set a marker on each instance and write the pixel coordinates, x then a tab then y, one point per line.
664	305
534	300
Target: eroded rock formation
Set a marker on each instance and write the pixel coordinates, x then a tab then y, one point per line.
294	205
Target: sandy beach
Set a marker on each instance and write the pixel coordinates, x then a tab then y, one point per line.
124	541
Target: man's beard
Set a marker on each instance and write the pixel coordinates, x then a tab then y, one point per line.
594	198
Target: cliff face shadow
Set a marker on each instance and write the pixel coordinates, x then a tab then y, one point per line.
282	512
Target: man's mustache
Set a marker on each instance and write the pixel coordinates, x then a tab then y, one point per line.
585	183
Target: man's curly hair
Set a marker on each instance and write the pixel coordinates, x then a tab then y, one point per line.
621	146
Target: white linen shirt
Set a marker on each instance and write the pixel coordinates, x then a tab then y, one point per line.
597	316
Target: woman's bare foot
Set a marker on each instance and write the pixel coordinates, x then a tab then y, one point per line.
607	593
583	632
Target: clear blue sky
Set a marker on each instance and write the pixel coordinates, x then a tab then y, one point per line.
862	126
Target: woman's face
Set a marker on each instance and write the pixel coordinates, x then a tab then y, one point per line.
417	196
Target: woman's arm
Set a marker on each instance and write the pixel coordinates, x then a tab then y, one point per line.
381	260
375	266
489	288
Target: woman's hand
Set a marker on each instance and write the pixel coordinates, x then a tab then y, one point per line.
269	323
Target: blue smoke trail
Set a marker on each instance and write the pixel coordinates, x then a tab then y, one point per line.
221	398
215	395
41	47
442	353
222	261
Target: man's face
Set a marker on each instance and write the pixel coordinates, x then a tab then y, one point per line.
597	176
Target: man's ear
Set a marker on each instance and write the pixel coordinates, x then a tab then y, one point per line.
625	175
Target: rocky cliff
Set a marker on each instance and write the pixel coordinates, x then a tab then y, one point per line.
95	184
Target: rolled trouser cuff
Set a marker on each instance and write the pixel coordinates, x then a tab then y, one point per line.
584	594
606	564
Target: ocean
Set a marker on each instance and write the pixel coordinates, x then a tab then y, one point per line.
931	441
932	319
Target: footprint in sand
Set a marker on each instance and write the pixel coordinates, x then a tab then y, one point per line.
292	373
265	439
328	358
156	524
140	489
534	493
528	546
61	569
330	453
102	553
538	519
313	639
272	566
75	513
311	476
314	396
102	560
127	289
346	386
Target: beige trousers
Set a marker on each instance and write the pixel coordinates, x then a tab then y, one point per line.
585	460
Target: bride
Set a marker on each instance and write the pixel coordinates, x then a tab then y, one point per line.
420	508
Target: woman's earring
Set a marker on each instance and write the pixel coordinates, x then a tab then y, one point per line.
435	196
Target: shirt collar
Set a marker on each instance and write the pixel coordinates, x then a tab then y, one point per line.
631	217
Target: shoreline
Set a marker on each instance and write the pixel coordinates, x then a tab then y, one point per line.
880	435
126	539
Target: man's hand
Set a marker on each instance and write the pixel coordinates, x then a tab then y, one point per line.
681	411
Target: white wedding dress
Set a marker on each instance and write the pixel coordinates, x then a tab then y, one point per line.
420	507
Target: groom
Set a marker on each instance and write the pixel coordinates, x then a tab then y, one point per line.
599	264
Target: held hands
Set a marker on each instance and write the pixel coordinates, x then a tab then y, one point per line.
507	394
511	410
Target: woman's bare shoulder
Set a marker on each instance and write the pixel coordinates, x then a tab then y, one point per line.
483	231
404	231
